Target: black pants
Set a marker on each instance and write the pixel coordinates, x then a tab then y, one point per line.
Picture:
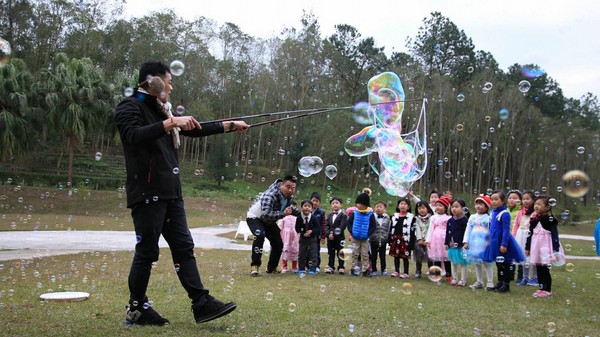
166	217
307	254
506	271
333	250
447	266
544	277
404	263
272	232
378	249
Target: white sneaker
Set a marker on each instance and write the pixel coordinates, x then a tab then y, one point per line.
476	285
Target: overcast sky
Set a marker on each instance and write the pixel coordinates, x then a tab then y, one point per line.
562	37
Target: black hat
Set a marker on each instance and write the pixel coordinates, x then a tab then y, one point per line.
364	199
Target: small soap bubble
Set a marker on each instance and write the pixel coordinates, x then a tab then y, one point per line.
322	288
459	127
128	92
569	267
551	327
269	296
499	259
527	314
524	86
460	97
281	152
448	175
484	146
435	274
488	86
470	69
176	170
552	202
177	68
580	149
180	110
406	288
503	114
292	307
420	305
98	156
351	328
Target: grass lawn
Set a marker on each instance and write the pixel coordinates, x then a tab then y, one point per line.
319	305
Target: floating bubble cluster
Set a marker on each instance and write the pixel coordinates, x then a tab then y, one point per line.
398	158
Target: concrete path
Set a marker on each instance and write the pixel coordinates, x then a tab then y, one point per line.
24	245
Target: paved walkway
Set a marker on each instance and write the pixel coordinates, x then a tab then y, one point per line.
24	245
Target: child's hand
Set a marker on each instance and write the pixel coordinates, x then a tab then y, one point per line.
446	247
466	246
502	249
331	236
526	253
427	244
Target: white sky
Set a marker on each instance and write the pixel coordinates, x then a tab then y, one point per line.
562	37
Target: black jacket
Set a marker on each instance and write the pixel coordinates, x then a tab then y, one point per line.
340	223
313	224
150	157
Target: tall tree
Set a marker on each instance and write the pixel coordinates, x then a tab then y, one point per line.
15	89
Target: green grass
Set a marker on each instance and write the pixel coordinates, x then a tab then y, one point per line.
326	305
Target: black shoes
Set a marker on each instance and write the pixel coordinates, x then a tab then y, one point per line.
212	309
504	288
143	315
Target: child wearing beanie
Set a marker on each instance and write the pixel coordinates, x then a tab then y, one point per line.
361	224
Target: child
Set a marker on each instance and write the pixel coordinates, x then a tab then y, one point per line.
334	228
307	226
361	225
513	205
521	231
424	213
436	235
402	237
455	232
319	214
290	241
379	238
475	241
543	246
502	247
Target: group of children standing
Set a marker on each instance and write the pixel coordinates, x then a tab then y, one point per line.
515	229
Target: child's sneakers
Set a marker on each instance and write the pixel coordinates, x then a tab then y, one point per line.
374	273
476	285
284	270
366	273
454	282
523	282
253	270
533	282
312	272
418	275
461	283
395	274
328	270
384	273
404	276
341	271
542	294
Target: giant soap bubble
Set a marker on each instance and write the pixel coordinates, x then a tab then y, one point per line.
398	158
310	165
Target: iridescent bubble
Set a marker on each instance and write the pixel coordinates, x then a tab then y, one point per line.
351	328
406	288
527	314
420	305
499	259
177	68
488	85
524	86
292	307
470	69
331	171
440	162
569	267
199	172
448	175
484	146
128	92
552	167
459	127
281	152
269	296
492	129
345	254
568	247
552	202
531	72
580	149
180	110
5	52
575	183
503	114
551	327
361	113
322	288
98	156
487	118
460	97
435	274
176	170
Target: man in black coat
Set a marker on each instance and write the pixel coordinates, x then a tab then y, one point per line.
150	137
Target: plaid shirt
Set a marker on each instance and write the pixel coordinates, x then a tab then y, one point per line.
269	205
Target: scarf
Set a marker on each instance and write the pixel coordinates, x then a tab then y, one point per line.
166	109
